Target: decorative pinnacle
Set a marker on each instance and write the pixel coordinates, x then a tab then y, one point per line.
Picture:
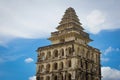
70	16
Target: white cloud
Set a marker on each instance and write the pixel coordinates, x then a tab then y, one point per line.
25	21
32	78
95	20
109	73
98	20
96	17
28	60
110	49
32	19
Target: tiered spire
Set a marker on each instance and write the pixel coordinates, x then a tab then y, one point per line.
70	18
69	29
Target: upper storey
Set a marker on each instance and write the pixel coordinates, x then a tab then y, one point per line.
69	29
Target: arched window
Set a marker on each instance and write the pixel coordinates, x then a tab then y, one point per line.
48	78
70	51
69	63
61	65
88	54
39	54
48	55
69	76
42	56
55	77
42	68
38	78
61	76
92	56
48	67
55	53
81	63
62	52
41	78
84	65
55	66
83	52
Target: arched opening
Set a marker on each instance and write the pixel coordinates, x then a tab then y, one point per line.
81	61
38	78
82	52
69	76
55	77
92	56
42	68
39	69
61	65
69	63
41	78
87	54
89	66
89	77
42	56
55	53
78	63
48	78
55	66
48	67
62	52
84	65
83	76
48	55
61	76
70	51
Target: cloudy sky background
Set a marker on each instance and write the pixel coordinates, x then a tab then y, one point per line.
25	25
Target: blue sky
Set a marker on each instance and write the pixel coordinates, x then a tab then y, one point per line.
25	25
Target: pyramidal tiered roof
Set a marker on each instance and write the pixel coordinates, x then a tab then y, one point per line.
69	27
69	17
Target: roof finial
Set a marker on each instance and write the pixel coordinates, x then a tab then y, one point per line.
70	16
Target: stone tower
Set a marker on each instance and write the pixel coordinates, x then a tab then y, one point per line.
69	57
